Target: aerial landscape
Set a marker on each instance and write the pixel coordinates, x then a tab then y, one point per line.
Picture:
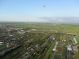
43	29
39	41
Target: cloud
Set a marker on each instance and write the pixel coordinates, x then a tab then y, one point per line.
61	19
22	19
41	19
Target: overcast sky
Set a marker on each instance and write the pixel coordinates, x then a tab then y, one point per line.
38	10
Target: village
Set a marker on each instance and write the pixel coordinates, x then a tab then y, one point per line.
9	39
23	43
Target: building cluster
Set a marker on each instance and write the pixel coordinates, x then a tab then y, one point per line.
67	45
8	36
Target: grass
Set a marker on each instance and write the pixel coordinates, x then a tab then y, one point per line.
49	53
2	47
43	30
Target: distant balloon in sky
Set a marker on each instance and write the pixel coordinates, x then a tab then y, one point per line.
44	6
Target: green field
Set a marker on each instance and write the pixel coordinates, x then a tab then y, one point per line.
35	43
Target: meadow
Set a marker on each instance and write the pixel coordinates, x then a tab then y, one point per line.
35	43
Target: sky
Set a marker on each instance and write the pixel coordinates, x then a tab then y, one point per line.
38	10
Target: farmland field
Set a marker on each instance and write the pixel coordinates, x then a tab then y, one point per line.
38	41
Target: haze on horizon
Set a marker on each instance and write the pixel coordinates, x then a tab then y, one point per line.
58	11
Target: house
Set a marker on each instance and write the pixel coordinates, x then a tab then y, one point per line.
1	43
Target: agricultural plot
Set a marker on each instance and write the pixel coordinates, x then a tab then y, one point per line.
45	41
